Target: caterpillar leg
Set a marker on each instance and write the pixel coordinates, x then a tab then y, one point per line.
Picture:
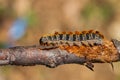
91	42
69	43
85	43
77	44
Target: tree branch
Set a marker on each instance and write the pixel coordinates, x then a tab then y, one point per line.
32	55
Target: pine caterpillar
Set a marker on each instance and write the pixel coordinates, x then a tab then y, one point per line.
85	38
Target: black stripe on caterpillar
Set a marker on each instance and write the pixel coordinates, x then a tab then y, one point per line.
86	38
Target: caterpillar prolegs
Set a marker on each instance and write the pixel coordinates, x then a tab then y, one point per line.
84	38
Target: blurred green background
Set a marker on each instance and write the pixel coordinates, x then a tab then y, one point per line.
22	22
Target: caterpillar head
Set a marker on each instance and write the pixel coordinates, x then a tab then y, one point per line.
43	40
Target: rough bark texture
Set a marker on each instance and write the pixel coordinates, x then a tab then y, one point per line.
32	55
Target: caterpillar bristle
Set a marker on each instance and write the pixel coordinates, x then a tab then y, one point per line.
84	38
77	32
70	33
90	31
56	33
97	32
84	32
102	35
63	32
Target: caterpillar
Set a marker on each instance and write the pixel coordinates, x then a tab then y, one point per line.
85	38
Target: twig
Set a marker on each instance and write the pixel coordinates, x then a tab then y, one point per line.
32	55
84	55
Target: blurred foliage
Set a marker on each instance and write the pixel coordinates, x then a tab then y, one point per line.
6	69
32	18
3	15
118	77
6	12
3	45
103	10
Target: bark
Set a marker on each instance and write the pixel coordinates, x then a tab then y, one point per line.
32	55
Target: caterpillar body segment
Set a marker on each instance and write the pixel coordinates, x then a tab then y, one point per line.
86	38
